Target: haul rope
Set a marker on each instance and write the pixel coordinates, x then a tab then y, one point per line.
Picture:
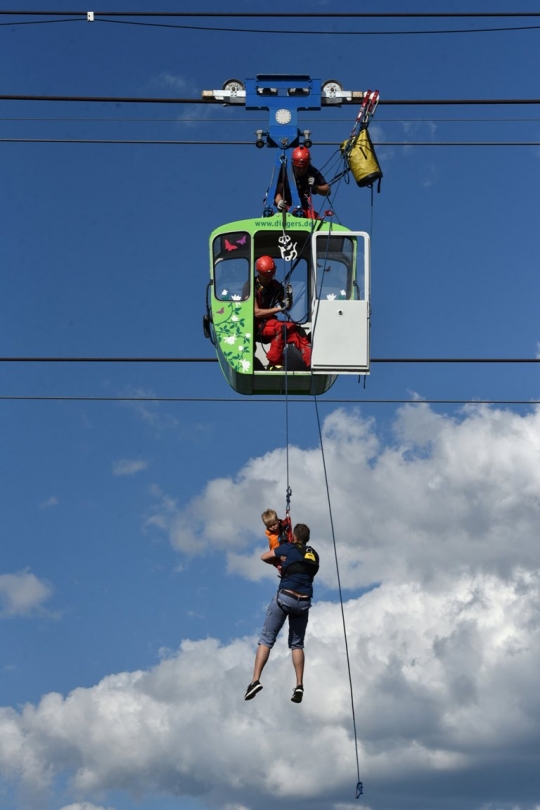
359	785
288	492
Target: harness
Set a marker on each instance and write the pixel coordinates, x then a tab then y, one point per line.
267	297
309	565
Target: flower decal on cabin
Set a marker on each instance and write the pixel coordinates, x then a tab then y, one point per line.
236	297
230	324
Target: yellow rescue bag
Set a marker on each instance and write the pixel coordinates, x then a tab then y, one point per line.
362	160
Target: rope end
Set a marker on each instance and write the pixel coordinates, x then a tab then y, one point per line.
359	789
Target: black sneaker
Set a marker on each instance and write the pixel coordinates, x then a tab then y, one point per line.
252	690
298	694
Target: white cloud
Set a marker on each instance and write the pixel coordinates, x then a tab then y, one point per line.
148	410
52	501
447	495
22	594
444	652
173	82
129	466
444	682
85	806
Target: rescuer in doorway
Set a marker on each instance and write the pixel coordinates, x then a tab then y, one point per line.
271	298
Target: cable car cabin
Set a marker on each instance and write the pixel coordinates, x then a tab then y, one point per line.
328	268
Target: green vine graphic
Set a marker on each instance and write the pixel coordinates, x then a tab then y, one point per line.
235	342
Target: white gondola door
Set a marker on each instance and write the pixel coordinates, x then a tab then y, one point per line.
340	302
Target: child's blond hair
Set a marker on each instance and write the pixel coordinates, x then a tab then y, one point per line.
269	516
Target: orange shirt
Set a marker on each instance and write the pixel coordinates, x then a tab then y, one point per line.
273	539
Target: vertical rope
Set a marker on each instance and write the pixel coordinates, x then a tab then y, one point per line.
359	785
288	491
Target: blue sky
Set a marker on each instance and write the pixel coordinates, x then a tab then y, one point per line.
131	594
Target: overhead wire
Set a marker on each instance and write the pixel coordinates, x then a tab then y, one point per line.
281	14
104	17
311	32
36	359
222	120
215	101
273	400
147	142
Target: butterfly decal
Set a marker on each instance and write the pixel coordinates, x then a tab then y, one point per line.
229	247
221	311
241	241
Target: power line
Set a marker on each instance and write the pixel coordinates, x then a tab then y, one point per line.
275	400
147	142
203	120
270	14
173	100
215	360
311	32
106	17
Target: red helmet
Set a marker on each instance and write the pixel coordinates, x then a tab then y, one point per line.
265	265
301	156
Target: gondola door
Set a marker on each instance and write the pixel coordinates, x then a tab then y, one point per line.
340	302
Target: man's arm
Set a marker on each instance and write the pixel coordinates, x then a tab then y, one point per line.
268	556
319	184
265	313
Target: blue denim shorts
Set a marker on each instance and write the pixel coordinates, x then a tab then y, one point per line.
285	605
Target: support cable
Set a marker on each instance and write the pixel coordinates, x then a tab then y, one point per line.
359	785
215	101
300	32
288	492
272	400
250	143
215	360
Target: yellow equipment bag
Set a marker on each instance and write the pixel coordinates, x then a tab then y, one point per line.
362	159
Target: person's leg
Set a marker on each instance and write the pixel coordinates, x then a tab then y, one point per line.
297	630
272	625
301	342
298	664
297	653
261	657
274	329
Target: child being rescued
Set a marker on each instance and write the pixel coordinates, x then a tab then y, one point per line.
278	531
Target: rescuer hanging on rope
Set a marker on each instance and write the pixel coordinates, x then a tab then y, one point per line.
308	179
300	563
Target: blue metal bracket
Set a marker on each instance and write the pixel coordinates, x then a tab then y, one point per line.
283	95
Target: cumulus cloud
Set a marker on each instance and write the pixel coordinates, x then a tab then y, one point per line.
52	501
128	466
85	806
446	495
441	521
22	594
445	685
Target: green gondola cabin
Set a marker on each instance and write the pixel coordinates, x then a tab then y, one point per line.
328	267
